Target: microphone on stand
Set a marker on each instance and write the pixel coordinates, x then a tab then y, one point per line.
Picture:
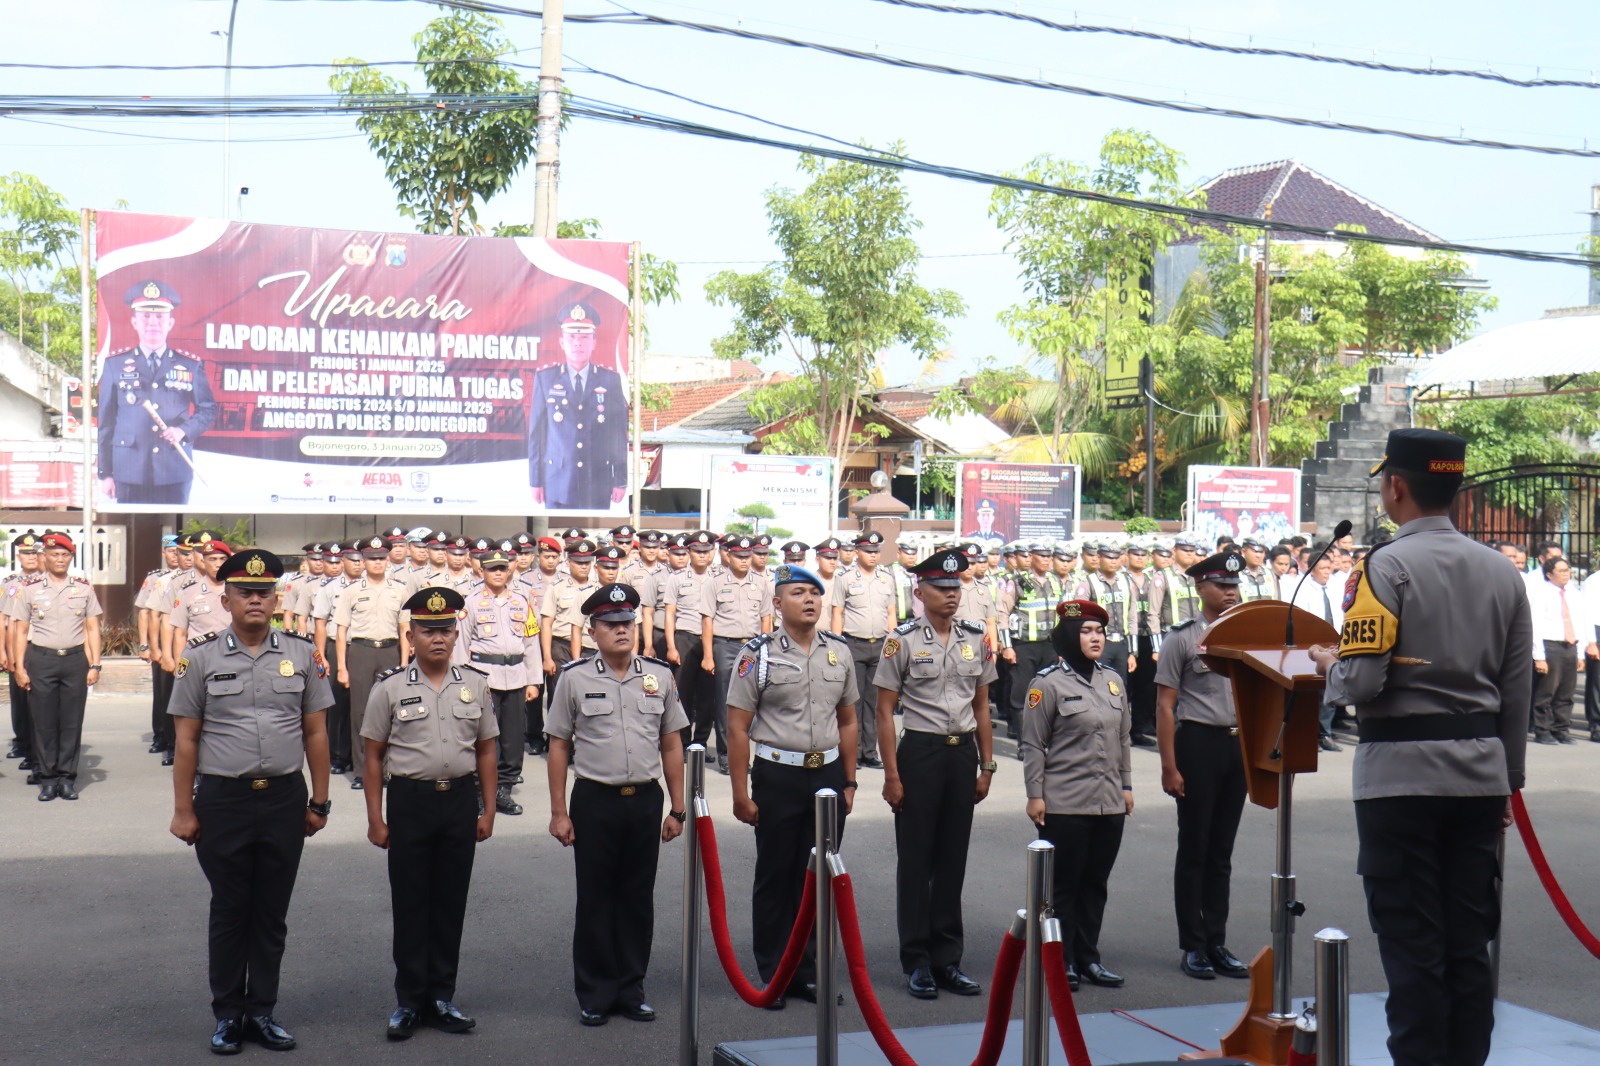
1340	531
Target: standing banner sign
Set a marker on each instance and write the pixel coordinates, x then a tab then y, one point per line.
41	474
245	367
798	489
1237	501
1001	502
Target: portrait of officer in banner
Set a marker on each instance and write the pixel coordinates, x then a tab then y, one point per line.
578	425
153	401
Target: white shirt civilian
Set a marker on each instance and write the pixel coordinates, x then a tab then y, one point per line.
1560	614
1322	594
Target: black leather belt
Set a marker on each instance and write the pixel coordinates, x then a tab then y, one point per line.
736	640
948	740
496	660
251	784
368	642
862	640
1428	727
441	785
621	790
62	652
1231	730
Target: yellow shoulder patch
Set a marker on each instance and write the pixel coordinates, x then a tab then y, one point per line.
1370	628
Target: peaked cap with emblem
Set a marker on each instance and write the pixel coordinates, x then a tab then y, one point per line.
701	540
870	540
373	547
1424	451
1222	568
459	545
972	550
612	603
28	543
794	551
582	550
827	548
571	534
435	607
623	534
609	555
789	574
419	535
678	542
151	296
253	569
653	536
394	535
740	546
439	538
1083	609
579	318
942	569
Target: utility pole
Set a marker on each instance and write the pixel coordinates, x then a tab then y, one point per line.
227	114
1147	385
1594	236
547	163
1260	408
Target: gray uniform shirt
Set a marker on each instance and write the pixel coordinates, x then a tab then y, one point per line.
198	609
147	590
977	603
735	604
371	611
327	595
1204	696
1466	635
936	679
1076	754
563	604
504	625
795	696
249	706
615	723
55	611
866	599
681	589
432	734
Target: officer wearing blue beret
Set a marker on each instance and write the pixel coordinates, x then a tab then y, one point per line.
153	402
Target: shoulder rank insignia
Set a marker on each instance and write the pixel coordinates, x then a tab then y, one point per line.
574	662
195	642
388	673
971	626
296	636
474	669
1186	622
908	626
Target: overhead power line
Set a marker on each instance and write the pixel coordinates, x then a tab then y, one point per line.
1253	50
641	19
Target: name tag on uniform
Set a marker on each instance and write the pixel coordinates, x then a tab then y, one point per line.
223	677
594	696
411	709
856	590
1070	699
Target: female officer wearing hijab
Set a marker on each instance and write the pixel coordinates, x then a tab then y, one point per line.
1078	770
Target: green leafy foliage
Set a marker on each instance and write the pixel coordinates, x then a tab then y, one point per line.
1525	429
39	293
233	536
1140	525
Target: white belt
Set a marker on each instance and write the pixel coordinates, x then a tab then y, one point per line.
811	760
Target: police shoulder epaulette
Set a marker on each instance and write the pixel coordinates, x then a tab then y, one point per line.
1186	622
195	642
383	674
971	626
157	572
574	662
658	662
80	581
1052	668
474	669
759	641
296	636
828	634
910	625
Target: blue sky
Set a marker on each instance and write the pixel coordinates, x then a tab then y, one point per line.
700	202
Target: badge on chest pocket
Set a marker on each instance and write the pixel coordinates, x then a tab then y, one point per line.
411	708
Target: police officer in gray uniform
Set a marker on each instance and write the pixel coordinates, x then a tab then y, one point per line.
249	705
430	727
937	671
792	700
615	718
733	611
145	453
1436	654
864	611
1202	767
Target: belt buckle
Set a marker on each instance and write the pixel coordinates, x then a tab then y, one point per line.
442	786
951	741
628	790
1233	731
257	784
813	760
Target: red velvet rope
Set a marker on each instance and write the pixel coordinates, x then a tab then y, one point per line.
995	1022
1552	887
717	905
1055	980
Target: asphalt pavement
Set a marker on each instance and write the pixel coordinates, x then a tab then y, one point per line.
103	916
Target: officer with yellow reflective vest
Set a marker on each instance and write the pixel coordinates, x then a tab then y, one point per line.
1177	601
1033	616
1257	581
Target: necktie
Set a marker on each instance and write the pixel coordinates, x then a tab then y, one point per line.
155	366
1568	634
1327	608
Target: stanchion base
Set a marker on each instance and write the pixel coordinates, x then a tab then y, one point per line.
1520	1035
1257	1038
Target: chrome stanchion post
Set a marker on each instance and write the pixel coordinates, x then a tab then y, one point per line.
1284	906
826	864
1035	1019
693	888
1332	962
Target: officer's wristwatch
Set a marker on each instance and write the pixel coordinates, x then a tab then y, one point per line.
680	816
989	767
320	809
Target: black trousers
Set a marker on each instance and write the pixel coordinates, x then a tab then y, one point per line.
725	655
249	849
931	834
339	725
1591	696
785	835
1116	657
697	690
1086	850
533	710
1208	820
509	707
162	732
1429	868
21	718
1000	691
658	643
135	492
1552	700
364	664
1142	689
1032	656
432	840
865	654
55	703
616	847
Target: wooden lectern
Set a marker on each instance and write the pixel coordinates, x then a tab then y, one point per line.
1278	696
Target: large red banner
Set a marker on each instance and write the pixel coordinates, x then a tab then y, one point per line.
41	474
248	367
1244	501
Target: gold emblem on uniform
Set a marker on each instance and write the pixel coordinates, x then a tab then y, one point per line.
1071	610
436	603
183	668
286	668
466	694
966	652
833	658
151	291
255	567
1035	697
651	685
1112	685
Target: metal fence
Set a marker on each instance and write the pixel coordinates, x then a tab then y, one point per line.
1524	504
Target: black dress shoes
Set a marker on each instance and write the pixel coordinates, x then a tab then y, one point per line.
64	790
1562	738
1545	738
777	1004
1326	743
33	778
642	1012
1197	964
47	790
444	1016
806	990
871	762
355	783
1142	740
268	1033
155	748
27	763
919	982
167	758
338	768
1072	977
1099	975
504	803
951	979
591	1017
402	1023
1227	964
226	1039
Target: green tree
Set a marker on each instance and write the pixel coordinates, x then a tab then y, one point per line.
38	235
446	161
1524	429
843	291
